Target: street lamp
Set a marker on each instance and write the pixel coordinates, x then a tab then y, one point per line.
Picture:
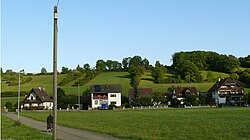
18	100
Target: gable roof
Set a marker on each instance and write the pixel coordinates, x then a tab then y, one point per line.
106	88
41	94
181	91
143	92
225	81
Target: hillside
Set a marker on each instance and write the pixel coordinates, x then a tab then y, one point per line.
122	78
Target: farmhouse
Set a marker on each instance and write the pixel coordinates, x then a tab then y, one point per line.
227	91
104	95
142	92
180	93
37	99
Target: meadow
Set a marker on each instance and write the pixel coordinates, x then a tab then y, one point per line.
160	124
11	131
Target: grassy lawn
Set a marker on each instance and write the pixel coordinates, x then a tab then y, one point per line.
11	131
44	81
210	123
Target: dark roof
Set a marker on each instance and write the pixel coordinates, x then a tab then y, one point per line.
181	91
106	88
41	94
225	81
143	92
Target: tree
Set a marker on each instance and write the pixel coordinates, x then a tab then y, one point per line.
245	61
100	65
234	76
43	70
109	64
145	63
191	99
65	70
86	66
158	73
136	72
210	77
125	63
158	98
135	61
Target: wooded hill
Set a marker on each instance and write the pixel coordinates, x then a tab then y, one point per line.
197	68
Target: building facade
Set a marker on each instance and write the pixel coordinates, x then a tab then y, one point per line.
105	95
37	99
227	91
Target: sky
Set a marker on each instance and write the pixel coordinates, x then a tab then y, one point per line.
90	30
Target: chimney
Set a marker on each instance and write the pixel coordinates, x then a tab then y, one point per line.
219	79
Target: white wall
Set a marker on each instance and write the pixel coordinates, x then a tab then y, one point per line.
116	99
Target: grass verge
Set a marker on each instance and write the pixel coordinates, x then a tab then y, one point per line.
210	123
12	130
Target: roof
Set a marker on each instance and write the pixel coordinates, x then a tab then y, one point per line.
225	81
181	91
41	94
143	92
106	88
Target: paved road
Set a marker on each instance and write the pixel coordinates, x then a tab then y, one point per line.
63	133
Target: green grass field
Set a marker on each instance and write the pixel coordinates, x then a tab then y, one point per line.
162	124
11	131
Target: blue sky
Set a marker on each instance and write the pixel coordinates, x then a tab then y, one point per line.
114	29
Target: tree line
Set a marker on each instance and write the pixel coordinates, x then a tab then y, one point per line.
186	67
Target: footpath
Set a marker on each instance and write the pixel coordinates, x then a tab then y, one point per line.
63	133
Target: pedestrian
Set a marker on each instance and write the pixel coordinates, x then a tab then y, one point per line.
49	123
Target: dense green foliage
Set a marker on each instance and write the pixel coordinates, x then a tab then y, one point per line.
11	131
158	73
153	124
245	61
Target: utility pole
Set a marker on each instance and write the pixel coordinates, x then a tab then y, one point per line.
18	100
55	74
79	97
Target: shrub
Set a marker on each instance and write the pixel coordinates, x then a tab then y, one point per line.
8	105
112	106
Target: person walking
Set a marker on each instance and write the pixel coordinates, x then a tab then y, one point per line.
49	123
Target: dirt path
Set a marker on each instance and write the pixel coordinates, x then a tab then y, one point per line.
63	133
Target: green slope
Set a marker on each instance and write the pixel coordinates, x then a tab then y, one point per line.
122	78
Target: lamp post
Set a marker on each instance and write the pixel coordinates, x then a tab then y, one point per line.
18	100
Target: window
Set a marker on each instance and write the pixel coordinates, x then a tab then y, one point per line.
96	102
113	102
113	95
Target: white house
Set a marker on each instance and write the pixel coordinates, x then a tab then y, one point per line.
227	91
104	95
37	99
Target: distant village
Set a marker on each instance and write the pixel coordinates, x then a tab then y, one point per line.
224	92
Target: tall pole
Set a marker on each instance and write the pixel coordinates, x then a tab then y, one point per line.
55	73
18	98
79	97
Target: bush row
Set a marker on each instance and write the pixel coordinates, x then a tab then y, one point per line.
13	94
